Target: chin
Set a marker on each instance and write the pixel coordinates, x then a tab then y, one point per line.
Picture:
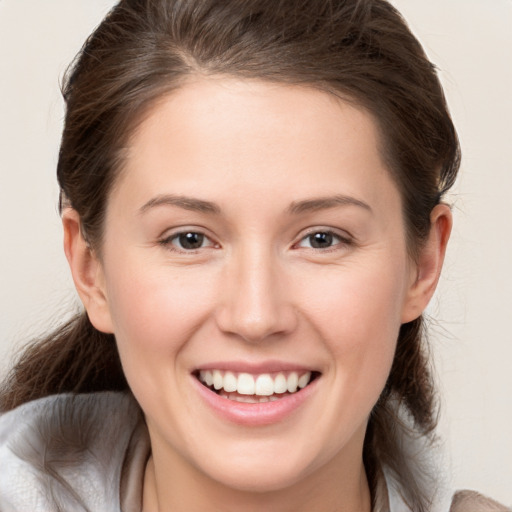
251	479
256	474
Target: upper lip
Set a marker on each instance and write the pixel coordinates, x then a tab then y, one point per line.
270	366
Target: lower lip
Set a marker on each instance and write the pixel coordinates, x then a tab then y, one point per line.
263	413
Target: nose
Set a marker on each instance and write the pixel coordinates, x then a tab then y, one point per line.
255	303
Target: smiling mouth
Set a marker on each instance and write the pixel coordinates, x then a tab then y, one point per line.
249	388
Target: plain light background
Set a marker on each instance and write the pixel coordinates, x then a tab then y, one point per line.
469	40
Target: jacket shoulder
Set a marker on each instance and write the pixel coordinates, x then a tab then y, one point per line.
471	501
66	452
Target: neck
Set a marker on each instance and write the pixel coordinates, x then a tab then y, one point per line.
330	489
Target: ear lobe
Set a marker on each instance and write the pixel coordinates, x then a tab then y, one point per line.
430	262
87	272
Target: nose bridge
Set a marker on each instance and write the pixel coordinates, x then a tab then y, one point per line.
255	304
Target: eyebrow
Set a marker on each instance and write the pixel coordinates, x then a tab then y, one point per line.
324	203
187	203
296	208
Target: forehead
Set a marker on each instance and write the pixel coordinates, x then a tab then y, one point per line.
224	137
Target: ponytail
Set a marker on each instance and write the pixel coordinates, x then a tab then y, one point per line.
75	358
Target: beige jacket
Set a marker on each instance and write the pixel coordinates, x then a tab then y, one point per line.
89	452
469	501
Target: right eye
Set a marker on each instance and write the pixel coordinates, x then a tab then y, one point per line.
186	241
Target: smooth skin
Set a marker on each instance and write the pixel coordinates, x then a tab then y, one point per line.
299	255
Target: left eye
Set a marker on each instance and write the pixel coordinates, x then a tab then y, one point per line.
321	240
188	241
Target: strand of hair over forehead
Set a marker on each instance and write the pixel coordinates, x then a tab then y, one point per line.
218	36
305	20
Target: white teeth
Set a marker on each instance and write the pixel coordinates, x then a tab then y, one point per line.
263	385
280	384
292	382
230	382
218	381
245	399
245	385
304	380
208	378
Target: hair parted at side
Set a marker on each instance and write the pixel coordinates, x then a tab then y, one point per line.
360	50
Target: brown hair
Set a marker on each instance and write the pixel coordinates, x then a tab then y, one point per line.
361	50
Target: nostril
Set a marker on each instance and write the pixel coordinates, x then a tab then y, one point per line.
256	327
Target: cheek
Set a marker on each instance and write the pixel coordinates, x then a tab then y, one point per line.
357	314
156	310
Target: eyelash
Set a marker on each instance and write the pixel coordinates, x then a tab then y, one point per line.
342	241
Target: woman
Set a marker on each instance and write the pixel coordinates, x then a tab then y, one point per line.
251	195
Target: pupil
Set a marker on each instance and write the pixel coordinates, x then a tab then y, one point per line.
191	240
321	240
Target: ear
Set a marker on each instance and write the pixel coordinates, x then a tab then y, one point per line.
87	272
427	269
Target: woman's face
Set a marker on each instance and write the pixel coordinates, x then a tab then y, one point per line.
255	238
